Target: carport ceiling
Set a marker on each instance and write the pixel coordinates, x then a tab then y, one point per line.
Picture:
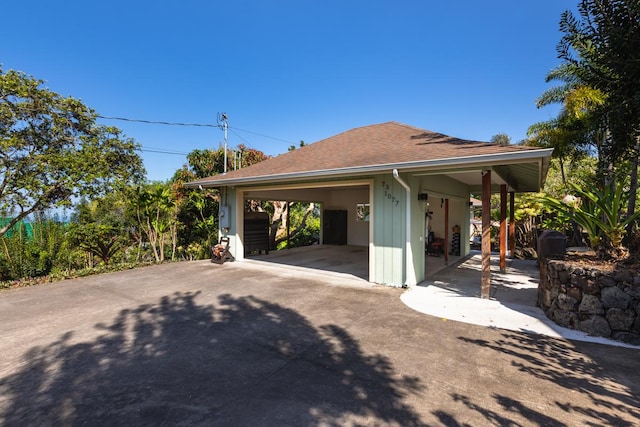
518	177
300	193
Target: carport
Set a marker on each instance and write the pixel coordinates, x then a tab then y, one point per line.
414	183
331	197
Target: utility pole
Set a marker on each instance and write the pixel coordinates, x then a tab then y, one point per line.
224	124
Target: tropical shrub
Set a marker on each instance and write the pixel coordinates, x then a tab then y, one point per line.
599	213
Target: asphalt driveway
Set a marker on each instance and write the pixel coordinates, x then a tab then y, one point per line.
201	344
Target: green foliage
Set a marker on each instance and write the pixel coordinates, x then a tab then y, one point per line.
304	226
578	131
102	228
51	149
501	139
602	49
197	215
100	240
24	255
600	213
156	209
579	171
293	147
206	163
53	152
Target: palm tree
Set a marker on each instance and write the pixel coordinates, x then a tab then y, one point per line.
602	46
579	128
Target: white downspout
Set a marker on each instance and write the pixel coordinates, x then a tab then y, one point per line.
410	270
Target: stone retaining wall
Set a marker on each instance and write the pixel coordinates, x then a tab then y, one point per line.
605	304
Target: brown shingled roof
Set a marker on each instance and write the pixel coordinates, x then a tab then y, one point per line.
390	143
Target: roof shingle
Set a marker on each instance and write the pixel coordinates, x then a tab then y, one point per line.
368	146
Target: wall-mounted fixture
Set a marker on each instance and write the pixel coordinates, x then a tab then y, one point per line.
423	199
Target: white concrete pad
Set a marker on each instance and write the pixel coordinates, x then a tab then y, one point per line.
454	294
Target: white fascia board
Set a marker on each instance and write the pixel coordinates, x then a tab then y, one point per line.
478	160
310	185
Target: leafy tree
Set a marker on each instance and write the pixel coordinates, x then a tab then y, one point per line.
292	223
293	147
303	226
602	48
578	130
527	214
501	139
100	240
156	211
102	228
580	171
206	163
531	212
198	208
52	150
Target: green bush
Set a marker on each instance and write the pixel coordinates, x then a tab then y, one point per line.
600	214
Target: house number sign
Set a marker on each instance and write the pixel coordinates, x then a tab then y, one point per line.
389	195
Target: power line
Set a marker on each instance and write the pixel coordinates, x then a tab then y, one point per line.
244	140
221	125
263	135
160	151
153	122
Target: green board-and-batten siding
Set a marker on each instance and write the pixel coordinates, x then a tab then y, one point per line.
389	232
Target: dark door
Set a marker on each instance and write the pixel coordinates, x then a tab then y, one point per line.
335	227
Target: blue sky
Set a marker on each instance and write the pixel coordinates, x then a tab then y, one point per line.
286	71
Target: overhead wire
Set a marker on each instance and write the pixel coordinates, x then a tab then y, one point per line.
160	151
244	140
262	135
154	122
209	125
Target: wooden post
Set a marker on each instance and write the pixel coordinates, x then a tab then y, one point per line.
512	223
288	225
503	228
446	231
485	289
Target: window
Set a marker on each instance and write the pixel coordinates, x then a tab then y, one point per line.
362	211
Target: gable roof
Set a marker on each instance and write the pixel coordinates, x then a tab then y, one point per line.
376	148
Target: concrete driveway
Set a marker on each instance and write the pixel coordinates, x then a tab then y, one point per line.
202	344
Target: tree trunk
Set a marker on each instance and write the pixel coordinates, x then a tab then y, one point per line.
576	238
300	227
631	207
278	218
562	174
153	240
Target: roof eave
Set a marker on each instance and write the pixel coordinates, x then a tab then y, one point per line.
476	161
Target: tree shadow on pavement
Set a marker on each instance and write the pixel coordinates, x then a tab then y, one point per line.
602	383
245	361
